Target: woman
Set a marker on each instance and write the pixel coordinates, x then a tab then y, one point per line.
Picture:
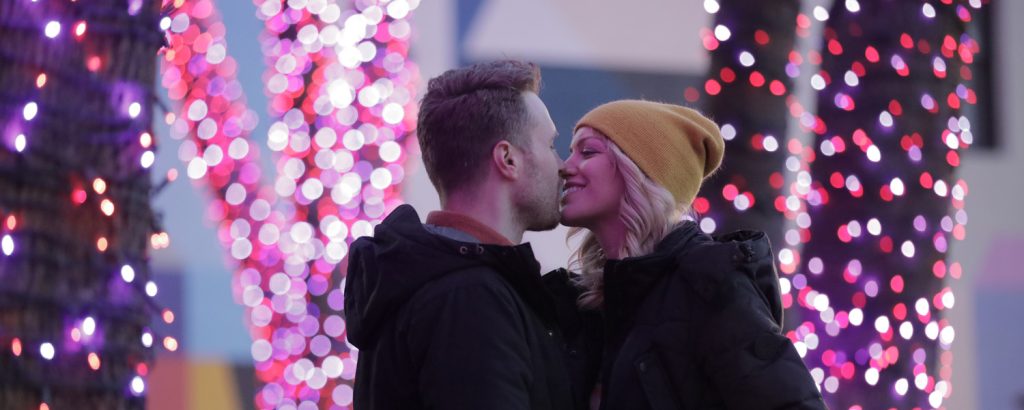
691	321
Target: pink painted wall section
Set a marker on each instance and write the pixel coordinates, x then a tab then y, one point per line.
1003	265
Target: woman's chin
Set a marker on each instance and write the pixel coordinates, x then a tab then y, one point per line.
573	221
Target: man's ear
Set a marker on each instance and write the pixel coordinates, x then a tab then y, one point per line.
506	159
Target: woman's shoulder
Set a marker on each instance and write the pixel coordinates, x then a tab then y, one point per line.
725	267
687	238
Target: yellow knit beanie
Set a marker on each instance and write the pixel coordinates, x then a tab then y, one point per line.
675	146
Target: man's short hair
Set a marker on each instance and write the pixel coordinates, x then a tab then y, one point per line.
468	110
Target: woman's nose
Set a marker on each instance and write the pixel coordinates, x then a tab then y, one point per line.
568	168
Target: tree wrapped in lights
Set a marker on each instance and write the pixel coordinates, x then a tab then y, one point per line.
750	91
341	97
748	85
874	200
885	203
75	292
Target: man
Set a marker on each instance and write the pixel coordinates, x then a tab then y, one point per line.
452	314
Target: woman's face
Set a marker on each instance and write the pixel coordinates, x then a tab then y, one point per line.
593	189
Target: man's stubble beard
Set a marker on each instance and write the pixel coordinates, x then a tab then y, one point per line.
543	213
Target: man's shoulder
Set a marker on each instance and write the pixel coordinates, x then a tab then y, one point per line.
477	291
469	279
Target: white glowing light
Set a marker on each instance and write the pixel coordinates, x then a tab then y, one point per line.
871	376
827	148
711	6
938	64
928	10
852	183
885	118
398	9
393	113
722	32
127	273
196	168
746	59
801	348
818	82
89	326
921	381
896	186
46	350
856	316
707	225
134	109
818	375
851	79
390	151
948	300
786	256
197	111
52	29
728	132
874	154
908	249
906	330
815	265
931	330
821	302
380	178
901	386
947	335
882	324
7	245
874	227
138	386
30	111
820	13
147	159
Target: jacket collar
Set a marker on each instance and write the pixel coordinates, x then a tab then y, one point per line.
470	226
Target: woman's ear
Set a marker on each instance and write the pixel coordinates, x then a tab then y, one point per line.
506	159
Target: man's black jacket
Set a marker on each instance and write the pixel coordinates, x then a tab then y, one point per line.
446	324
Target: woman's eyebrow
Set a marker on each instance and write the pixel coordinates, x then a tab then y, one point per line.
580	141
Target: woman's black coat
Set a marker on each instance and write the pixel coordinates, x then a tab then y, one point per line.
696	325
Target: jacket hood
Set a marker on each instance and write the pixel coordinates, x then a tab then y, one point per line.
704	261
712	258
385	270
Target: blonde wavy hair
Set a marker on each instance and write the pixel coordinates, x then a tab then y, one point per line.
649	213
